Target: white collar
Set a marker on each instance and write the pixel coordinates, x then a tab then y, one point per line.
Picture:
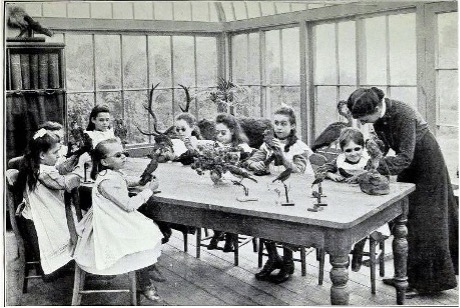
384	108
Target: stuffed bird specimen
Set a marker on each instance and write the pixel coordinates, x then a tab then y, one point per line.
18	18
332	132
147	175
283	176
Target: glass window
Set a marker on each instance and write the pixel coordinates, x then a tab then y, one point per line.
253	76
79	62
325	107
404	94
182	10
122	10
184	60
78	9
291	97
134	62
268	8
206	108
101	9
291	56
274	99
240	10
228	10
108	62
160	60
282	7
447	40
403	53
206	58
325	56
239	58
213	12
134	102
299	6
33	9
79	106
253	9
200	11
54	9
113	101
163	10
447	96
143	10
163	109
273	59
376	54
347	52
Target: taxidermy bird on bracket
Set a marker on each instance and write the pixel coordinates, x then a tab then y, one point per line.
332	132
18	18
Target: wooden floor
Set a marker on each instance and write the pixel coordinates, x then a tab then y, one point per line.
213	280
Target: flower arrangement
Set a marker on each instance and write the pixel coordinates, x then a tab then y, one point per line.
219	160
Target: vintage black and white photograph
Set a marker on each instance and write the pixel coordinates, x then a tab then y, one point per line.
230	153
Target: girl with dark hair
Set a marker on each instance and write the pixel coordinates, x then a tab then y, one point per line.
114	237
433	212
188	132
292	153
98	128
44	212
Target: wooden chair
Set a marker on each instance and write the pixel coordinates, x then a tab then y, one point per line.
80	274
25	254
239	241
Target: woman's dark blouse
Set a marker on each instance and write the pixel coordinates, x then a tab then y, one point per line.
400	129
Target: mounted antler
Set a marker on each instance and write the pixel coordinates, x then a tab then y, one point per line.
150	110
188	99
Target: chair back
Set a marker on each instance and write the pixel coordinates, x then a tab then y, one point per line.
15	162
13	203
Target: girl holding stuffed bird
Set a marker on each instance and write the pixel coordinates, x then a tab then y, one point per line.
284	150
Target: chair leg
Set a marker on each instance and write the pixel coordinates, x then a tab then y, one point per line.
260	252
254	244
236	246
78	284
321	253
185	241
198	242
23	277
382	259
206	233
133	289
303	261
372	244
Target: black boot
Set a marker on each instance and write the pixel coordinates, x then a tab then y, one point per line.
287	269
357	259
274	261
214	243
229	242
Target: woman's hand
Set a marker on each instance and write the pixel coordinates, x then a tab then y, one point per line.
258	166
153	184
335	177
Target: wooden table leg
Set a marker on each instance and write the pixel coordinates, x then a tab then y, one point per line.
400	249
339	278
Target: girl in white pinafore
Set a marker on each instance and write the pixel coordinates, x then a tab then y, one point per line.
114	238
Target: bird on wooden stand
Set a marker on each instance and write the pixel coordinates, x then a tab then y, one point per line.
18	18
332	132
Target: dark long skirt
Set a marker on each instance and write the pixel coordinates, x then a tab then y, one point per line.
432	221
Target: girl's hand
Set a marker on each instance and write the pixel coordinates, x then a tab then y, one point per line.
277	143
153	184
335	177
258	166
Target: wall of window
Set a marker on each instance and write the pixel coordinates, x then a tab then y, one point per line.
118	70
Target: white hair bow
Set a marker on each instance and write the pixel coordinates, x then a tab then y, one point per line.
40	133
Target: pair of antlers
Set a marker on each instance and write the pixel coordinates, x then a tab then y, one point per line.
156	132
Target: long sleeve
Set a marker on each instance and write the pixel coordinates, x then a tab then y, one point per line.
118	194
53	180
330	166
259	155
300	162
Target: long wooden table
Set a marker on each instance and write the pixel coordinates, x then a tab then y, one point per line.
190	199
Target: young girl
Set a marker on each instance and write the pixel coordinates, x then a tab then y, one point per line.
99	125
350	162
114	237
290	153
229	134
188	133
44	212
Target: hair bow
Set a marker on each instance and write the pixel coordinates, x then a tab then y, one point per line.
40	133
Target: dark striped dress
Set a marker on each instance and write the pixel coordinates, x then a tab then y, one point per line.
433	210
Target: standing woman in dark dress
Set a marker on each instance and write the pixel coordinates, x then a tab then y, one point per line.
433	212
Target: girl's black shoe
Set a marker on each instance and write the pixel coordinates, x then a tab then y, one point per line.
269	267
285	273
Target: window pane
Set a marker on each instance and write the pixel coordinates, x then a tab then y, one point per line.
291	97
200	11
206	57
253	76
213	12
162	10
268	8
272	61
134	62
143	10
136	116
54	9
375	52
291	57
182	10
274	99
239	58
447	97
347	52
163	109
448	141
160	60
113	101
299	6
79	106
33	9
325	108
252	109
206	108
240	10
405	94
78	9
282	7
228	11
448	40
345	92
79	62
180	101
101	9
184	64
403	57
108	62
325	58
122	10
253	9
